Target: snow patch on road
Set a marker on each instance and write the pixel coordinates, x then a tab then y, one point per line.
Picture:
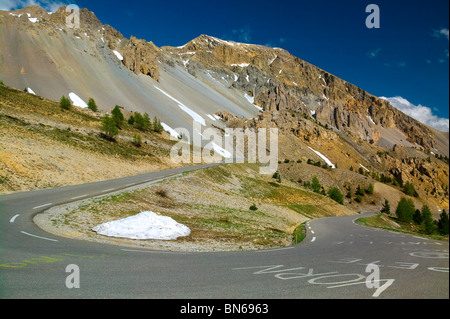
146	225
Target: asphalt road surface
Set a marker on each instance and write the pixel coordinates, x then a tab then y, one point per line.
337	260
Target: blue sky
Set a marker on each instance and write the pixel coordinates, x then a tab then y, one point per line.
406	57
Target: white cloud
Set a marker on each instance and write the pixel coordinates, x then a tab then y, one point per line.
48	5
419	112
6	5
441	33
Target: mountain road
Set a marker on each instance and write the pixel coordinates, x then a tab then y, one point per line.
337	259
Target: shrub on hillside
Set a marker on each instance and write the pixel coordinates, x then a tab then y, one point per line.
386	209
370	189
92	105
64	103
109	127
335	194
137	140
118	116
157	127
316	187
409	189
277	176
142	122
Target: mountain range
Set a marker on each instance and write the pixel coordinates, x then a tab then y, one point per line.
222	83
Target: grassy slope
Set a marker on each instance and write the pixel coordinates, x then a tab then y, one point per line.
215	204
44	146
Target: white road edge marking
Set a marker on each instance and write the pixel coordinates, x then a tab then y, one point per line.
108	190
14	218
37	236
78	197
156	252
313	239
45	205
270	250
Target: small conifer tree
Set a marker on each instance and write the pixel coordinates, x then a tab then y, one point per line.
64	103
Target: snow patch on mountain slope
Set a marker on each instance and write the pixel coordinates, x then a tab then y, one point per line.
77	101
195	116
323	157
118	55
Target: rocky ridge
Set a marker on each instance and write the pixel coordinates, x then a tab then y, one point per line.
278	81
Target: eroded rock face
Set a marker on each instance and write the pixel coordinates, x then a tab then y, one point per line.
141	57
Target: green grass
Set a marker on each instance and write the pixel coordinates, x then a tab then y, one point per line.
306	210
385	222
299	234
218	174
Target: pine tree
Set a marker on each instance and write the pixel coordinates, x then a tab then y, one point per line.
118	116
92	105
417	218
428	222
409	189
139	121
157	127
359	191
316	187
64	103
142	122
109	127
443	223
147	122
405	209
335	194
386	209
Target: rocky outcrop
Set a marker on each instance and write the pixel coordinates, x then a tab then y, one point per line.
141	57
